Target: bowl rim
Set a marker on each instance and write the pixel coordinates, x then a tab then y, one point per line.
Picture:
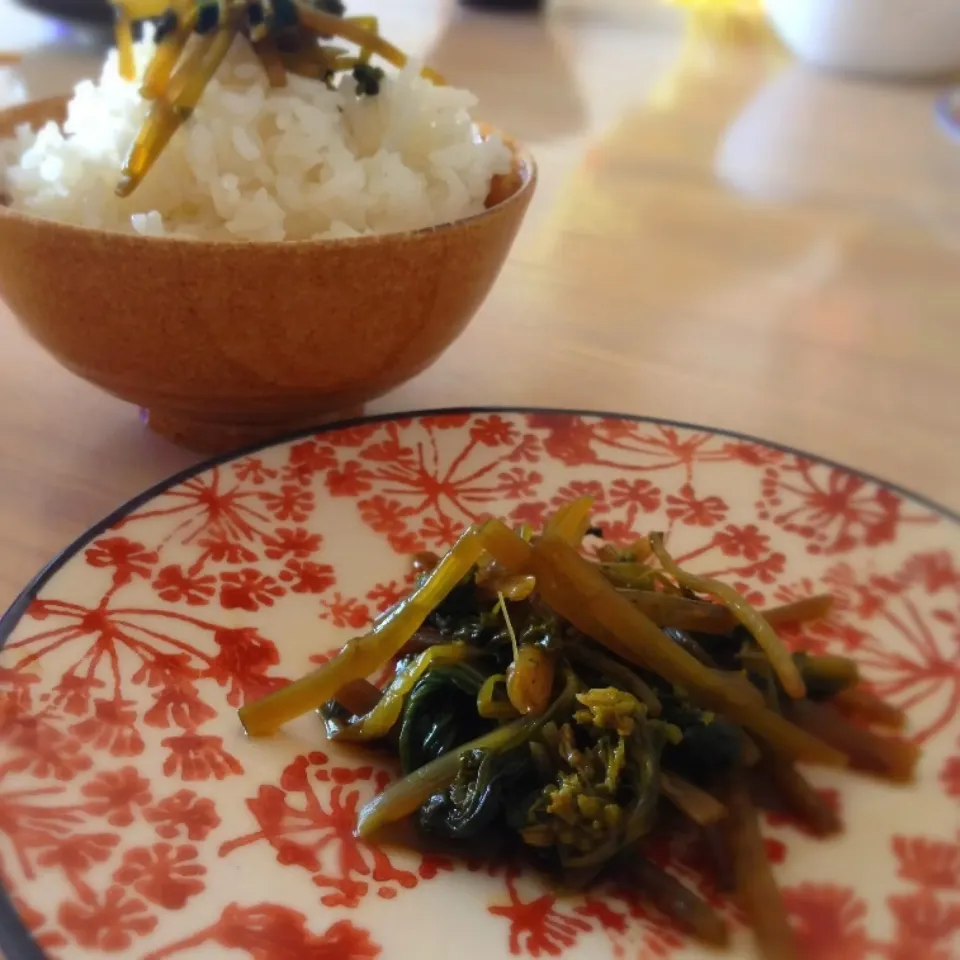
523	158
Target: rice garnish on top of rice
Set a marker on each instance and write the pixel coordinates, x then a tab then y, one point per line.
261	163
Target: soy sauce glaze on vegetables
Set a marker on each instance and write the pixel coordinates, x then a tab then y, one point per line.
193	37
580	705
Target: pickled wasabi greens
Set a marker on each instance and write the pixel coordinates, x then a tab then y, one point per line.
560	698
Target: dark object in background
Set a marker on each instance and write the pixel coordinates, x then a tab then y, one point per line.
506	6
99	11
78	11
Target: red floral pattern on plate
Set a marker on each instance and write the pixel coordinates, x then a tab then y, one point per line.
309	820
270	932
128	791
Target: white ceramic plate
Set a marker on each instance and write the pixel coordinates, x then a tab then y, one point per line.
137	820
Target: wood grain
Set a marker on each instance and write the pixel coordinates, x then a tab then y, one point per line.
733	241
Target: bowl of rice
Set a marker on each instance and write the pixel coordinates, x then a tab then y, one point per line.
295	252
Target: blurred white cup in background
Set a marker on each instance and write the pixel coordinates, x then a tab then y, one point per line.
905	39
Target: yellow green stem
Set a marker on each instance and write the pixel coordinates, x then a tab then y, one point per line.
362	656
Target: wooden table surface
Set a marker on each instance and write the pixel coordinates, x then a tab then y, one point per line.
723	238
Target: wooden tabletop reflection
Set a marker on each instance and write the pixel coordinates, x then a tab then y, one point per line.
720	236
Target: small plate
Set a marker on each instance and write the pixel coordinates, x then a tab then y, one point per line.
137	820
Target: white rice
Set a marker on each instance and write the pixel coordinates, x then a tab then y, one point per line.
257	163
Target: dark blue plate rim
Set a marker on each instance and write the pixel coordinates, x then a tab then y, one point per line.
16	942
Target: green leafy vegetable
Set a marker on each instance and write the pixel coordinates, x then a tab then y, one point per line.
476	799
441	714
575	709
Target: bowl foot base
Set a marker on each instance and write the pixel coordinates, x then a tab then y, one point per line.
213	437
